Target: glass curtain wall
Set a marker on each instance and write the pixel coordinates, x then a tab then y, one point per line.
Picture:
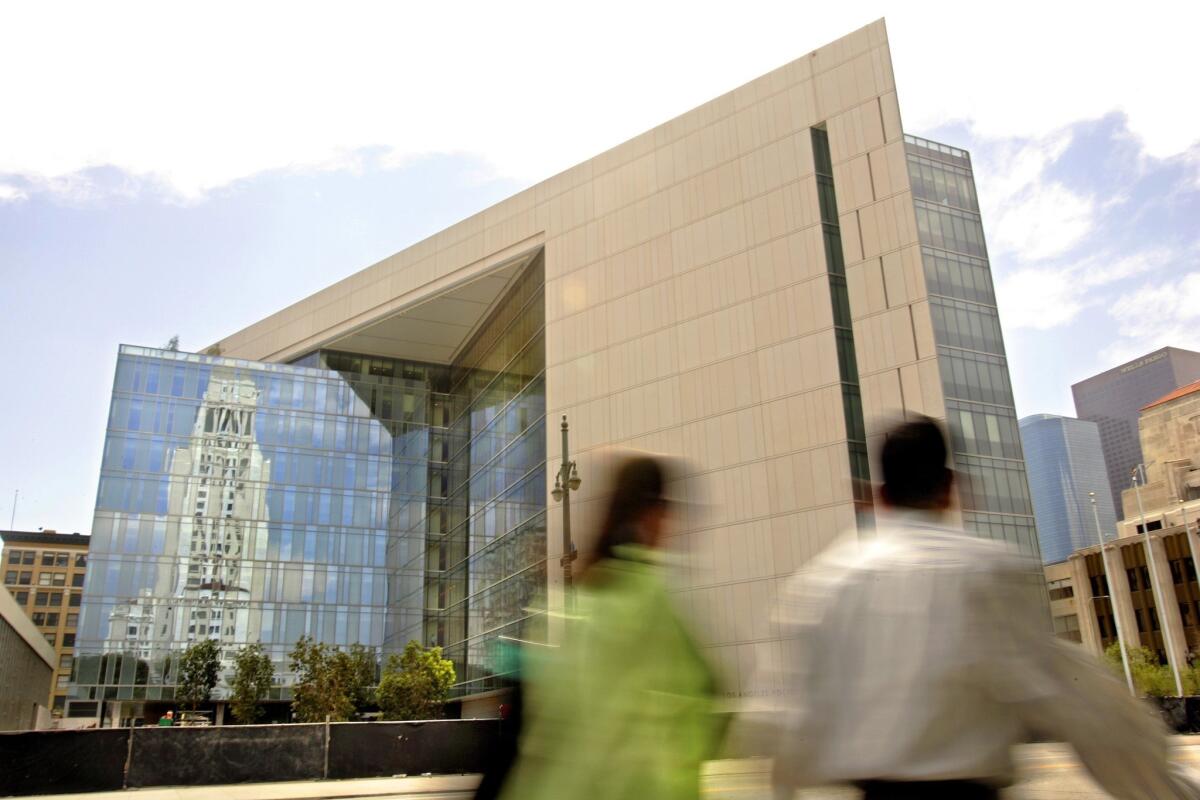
241	502
985	439
353	498
487	550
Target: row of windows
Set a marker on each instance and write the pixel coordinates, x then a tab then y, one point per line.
950	229
50	619
176	422
980	377
939	182
49	599
49	559
983	430
14	577
966	325
1061	589
68	639
959	276
990	484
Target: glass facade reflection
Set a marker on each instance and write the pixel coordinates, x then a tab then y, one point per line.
353	498
980	413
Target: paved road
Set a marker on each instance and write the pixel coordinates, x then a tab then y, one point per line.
1048	772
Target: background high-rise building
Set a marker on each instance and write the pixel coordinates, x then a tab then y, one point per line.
761	285
1113	398
1065	463
45	572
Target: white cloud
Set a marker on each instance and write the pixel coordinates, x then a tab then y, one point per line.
10	193
1045	220
1050	296
198	96
1157	315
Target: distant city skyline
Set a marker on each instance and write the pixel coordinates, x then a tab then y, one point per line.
139	228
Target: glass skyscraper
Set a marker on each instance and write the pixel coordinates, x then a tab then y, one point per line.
353	498
1065	463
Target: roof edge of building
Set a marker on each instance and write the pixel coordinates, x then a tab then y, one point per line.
1174	394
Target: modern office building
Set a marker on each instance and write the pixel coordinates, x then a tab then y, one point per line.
761	285
1066	467
26	666
44	572
1113	399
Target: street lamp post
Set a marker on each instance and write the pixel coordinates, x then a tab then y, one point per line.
1111	599
565	482
1155	589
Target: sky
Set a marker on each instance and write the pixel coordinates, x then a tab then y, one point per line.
190	168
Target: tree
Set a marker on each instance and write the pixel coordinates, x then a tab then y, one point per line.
330	682
414	685
1150	677
198	668
172	344
252	676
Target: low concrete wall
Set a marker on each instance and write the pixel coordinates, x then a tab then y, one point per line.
226	754
43	762
381	749
54	762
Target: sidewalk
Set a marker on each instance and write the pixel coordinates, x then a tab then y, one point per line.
293	790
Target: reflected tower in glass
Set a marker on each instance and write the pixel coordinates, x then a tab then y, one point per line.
353	498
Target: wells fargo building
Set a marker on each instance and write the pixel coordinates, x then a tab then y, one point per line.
759	285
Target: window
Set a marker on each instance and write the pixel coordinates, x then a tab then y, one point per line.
44	579
62	681
52	619
58	579
68	640
47	559
10	577
41	599
56	598
51	639
27	557
77	579
65	661
72	620
14	556
75	600
81	560
39	618
25	579
62	559
21	597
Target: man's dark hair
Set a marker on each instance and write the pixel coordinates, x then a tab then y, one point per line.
914	465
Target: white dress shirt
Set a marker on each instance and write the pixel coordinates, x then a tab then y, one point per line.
924	653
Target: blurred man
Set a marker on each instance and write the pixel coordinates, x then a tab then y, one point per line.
923	656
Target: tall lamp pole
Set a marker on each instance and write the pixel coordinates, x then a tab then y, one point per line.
565	482
1112	601
1158	601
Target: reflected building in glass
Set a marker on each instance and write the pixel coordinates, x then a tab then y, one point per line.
762	286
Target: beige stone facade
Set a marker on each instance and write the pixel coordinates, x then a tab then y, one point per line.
688	311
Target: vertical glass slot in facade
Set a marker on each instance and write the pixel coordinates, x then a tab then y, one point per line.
980	413
835	267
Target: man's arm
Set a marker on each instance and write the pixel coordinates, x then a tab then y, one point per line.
1061	691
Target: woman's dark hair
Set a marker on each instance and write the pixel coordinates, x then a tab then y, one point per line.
639	488
914	465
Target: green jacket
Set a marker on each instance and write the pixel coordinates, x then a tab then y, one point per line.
624	708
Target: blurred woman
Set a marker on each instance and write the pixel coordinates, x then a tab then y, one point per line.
624	707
